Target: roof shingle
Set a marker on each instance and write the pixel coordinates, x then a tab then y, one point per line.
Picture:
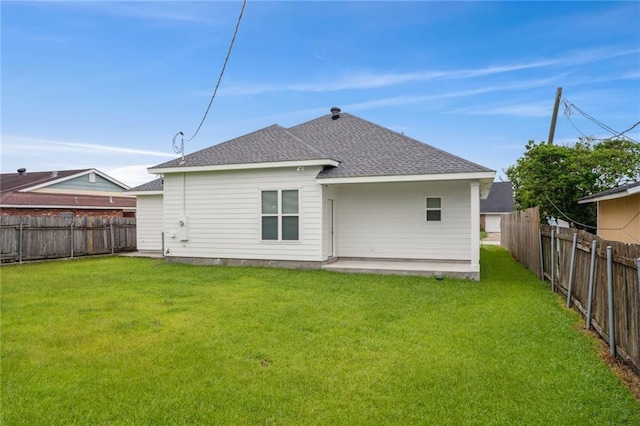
499	200
362	148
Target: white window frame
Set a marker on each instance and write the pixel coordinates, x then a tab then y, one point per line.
279	215
428	209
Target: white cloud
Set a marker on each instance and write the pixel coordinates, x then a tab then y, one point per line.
188	12
10	142
370	79
534	109
132	175
123	163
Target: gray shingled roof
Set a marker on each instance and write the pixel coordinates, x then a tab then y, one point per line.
154	185
367	149
500	199
611	191
362	148
271	144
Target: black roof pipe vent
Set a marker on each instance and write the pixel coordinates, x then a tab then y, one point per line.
335	113
22	171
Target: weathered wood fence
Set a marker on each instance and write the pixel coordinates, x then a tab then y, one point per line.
598	278
25	238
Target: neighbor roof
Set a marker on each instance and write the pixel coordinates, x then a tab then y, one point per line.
19	181
618	192
24	180
500	199
67	201
361	148
20	190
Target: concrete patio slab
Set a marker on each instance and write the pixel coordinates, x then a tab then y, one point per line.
408	267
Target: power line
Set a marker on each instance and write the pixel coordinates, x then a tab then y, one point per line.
224	66
567	217
622	133
568	106
567	113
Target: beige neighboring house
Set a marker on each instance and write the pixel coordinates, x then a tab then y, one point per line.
618	213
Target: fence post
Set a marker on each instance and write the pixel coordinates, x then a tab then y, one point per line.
592	273
111	232
71	228
553	263
612	328
541	255
571	268
638	269
20	242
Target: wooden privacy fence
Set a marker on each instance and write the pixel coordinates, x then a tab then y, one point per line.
520	234
24	238
599	278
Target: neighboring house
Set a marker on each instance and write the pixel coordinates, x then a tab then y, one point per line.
69	193
149	214
498	203
618	213
334	189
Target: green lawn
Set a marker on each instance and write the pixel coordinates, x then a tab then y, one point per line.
136	341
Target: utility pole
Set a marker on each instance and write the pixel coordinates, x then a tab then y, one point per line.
554	117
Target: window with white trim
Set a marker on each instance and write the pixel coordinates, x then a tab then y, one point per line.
280	215
434	209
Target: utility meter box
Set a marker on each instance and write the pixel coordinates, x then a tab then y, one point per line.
183	229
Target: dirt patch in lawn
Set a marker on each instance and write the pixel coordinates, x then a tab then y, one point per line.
628	376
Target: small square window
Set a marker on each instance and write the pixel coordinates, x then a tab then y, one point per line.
280	215
434	209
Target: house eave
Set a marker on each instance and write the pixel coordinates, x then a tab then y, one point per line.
139	193
605	197
408	178
66	206
244	166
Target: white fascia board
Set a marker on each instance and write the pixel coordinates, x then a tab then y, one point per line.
62	206
605	197
407	178
244	166
141	193
634	190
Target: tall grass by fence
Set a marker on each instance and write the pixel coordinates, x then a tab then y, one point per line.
568	267
24	238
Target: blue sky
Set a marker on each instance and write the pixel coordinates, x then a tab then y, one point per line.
108	84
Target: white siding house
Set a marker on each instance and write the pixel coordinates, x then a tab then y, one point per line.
401	209
150	212
222	214
328	190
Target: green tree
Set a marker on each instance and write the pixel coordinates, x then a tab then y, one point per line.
554	177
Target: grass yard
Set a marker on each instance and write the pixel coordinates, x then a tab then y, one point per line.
137	341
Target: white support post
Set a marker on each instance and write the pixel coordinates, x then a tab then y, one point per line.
475	226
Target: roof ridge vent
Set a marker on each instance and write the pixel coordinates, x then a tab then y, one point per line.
335	113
